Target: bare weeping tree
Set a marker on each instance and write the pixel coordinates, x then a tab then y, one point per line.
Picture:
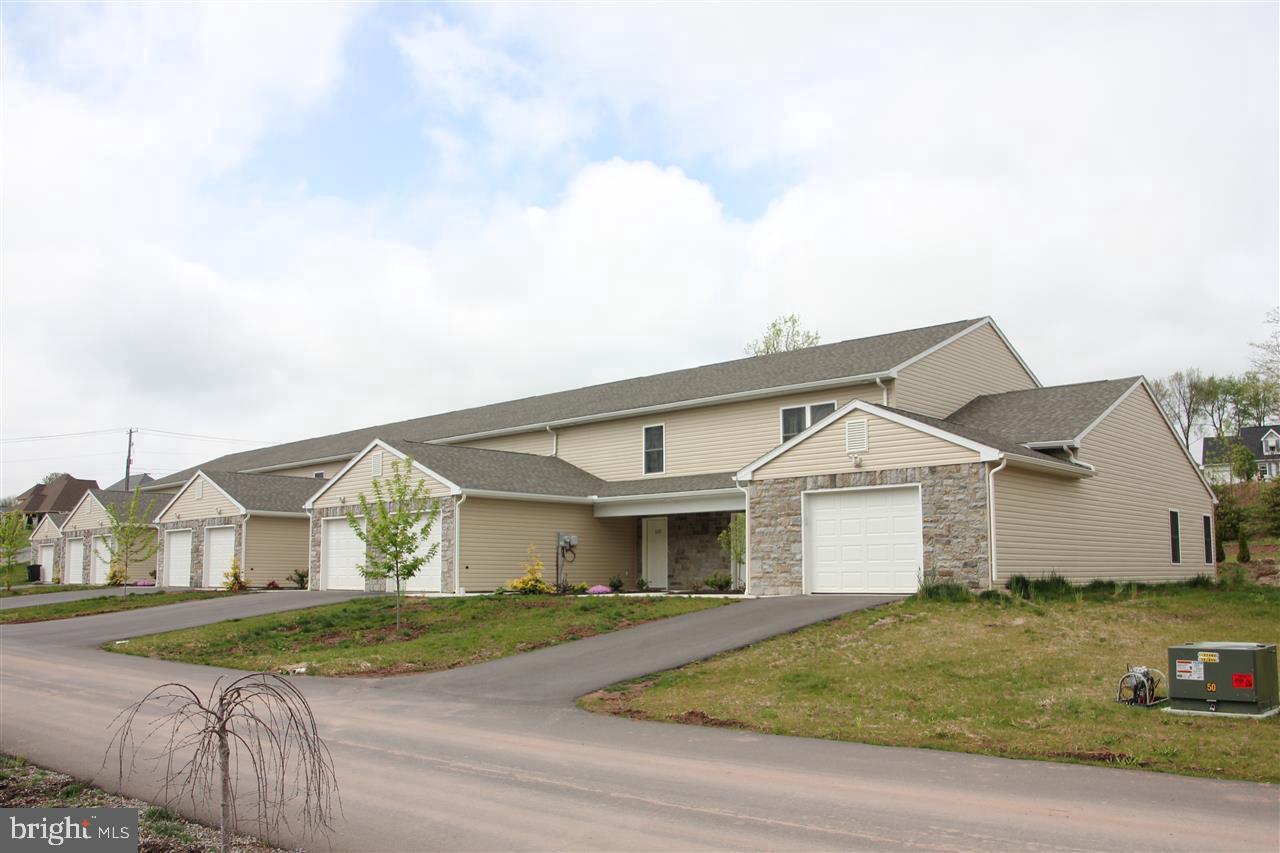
260	719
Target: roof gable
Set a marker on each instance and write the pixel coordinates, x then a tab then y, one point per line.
199	498
1057	415
46	529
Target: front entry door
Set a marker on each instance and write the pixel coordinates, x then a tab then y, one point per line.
655	552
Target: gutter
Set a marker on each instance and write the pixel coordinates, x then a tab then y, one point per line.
267	513
884	396
991	515
746	535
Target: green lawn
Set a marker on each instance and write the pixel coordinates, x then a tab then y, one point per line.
41	589
359	637
105	604
1014	679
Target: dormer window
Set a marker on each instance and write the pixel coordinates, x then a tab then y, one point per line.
1271	443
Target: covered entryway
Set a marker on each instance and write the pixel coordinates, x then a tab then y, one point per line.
863	540
73	571
101	560
428	577
341	554
177	557
219	550
46	563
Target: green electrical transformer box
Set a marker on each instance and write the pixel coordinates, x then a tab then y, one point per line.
1224	678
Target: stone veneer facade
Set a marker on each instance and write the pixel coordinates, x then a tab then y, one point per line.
954	507
86	567
448	581
693	547
197	526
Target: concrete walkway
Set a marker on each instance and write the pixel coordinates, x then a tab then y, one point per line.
497	757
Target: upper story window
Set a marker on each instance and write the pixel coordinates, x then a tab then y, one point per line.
797	419
655	449
1271	443
319	475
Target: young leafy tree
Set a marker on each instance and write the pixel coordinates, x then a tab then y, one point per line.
784	335
1243	465
398	522
133	539
14	536
733	540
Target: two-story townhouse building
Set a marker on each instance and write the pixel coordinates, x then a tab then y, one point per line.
859	466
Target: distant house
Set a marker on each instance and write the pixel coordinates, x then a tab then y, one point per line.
60	495
134	481
1263	442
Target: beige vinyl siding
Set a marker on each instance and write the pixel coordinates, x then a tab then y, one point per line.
274	548
345	490
142	570
889	445
943	381
89	515
330	470
46	531
538	443
496	535
201	499
706	440
1114	525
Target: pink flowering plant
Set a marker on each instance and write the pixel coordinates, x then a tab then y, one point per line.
599	589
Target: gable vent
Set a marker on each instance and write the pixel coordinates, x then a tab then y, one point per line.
375	463
855	435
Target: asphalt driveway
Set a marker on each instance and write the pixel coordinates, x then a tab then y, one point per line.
497	757
34	599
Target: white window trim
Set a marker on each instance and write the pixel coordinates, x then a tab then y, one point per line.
643	451
1168	519
808	416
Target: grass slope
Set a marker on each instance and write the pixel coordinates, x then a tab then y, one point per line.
359	637
1016	679
42	589
105	604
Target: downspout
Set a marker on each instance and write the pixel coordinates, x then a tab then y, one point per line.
746	536
884	391
991	515
555	441
457	544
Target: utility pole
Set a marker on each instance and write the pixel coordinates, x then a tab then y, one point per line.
128	458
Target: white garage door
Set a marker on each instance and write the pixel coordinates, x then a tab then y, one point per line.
177	558
863	540
428	577
219	548
341	551
73	571
101	560
46	563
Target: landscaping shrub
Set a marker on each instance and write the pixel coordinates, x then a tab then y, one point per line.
1202	581
719	581
580	589
531	582
118	575
233	580
1227	515
991	596
642	584
944	591
599	589
272	585
616	583
1019	585
1100	587
1050	587
1243	555
1219	554
298	578
1232	577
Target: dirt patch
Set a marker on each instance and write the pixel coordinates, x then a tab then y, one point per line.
1104	756
702	718
618	702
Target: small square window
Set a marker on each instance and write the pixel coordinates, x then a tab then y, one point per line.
820	411
793	422
654	449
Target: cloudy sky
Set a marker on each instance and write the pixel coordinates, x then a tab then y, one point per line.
271	221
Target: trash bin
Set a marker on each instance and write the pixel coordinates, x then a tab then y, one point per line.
33	573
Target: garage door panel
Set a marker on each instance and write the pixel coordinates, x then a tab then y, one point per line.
863	540
219	551
73	571
342	553
177	558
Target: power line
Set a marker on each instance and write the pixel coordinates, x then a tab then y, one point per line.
197	437
62	435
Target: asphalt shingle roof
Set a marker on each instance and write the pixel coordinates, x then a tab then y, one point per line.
266	492
1059	413
135	480
667	485
61	495
1000	442
862	356
500	470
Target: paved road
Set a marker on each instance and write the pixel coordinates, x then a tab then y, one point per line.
53	596
497	757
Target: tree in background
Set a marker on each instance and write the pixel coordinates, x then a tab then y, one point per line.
1227	514
14	536
784	335
1270	510
1257	400
398	524
1243	465
1220	395
1182	395
1266	354
133	539
51	476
